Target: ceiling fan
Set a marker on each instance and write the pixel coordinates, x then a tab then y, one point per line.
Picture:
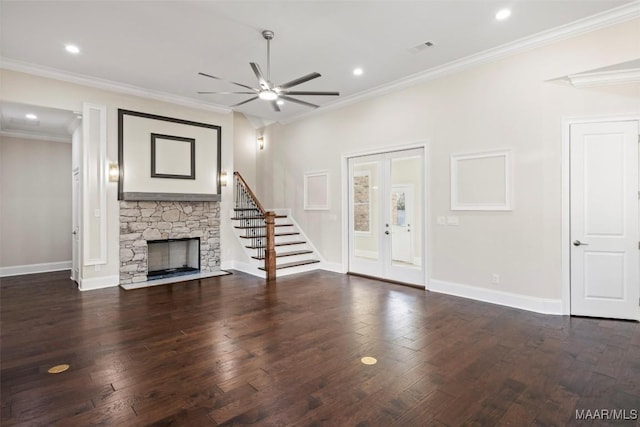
267	90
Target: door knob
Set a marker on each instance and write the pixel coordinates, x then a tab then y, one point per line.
386	232
74	232
579	243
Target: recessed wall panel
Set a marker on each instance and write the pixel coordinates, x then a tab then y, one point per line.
604	275
604	170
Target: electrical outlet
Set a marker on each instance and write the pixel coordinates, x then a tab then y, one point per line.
96	267
495	278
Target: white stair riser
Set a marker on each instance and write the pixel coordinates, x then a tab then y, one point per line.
294	258
285	239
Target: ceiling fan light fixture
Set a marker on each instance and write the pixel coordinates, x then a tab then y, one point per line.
268	95
267	91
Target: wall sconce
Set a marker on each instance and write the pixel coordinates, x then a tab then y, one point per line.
114	172
261	142
223	178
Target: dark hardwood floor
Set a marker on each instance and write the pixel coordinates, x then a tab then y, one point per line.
230	350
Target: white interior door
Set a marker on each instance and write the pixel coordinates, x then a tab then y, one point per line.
386	216
605	256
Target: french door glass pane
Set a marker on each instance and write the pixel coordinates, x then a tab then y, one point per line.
366	216
406	212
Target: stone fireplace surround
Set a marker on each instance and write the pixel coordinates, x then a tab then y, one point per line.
149	220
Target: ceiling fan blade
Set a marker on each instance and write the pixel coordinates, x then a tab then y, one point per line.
229	81
303	92
300	80
256	69
297	101
244	102
274	104
227	93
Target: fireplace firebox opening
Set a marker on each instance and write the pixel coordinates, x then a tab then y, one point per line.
172	257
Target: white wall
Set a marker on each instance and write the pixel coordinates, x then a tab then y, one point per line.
35	202
244	148
35	90
510	103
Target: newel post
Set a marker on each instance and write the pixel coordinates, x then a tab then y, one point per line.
270	250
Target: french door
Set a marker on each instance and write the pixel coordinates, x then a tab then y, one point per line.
386	216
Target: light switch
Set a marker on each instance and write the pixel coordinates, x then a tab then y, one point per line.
96	213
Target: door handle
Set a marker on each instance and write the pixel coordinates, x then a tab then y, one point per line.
387	232
579	243
74	232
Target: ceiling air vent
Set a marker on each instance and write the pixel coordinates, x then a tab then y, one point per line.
421	47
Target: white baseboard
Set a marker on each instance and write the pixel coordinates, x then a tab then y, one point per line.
523	302
93	283
34	268
336	267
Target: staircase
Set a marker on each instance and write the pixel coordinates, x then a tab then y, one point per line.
272	239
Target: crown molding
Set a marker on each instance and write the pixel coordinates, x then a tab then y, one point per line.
605	78
35	136
84	80
595	22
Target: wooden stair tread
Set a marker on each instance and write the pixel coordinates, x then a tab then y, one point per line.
301	242
238	218
263	236
244	227
294	264
284	254
245	209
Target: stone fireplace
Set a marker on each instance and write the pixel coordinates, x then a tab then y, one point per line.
145	221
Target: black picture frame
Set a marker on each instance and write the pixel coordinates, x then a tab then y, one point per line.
154	153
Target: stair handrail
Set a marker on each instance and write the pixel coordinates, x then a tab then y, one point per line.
269	220
250	192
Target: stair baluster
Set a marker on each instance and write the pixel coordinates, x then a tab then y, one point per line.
255	216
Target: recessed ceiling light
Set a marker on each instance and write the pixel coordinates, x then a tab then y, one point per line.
503	14
71	48
31	116
280	102
357	72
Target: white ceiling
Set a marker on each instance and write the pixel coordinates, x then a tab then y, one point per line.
51	123
162	45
